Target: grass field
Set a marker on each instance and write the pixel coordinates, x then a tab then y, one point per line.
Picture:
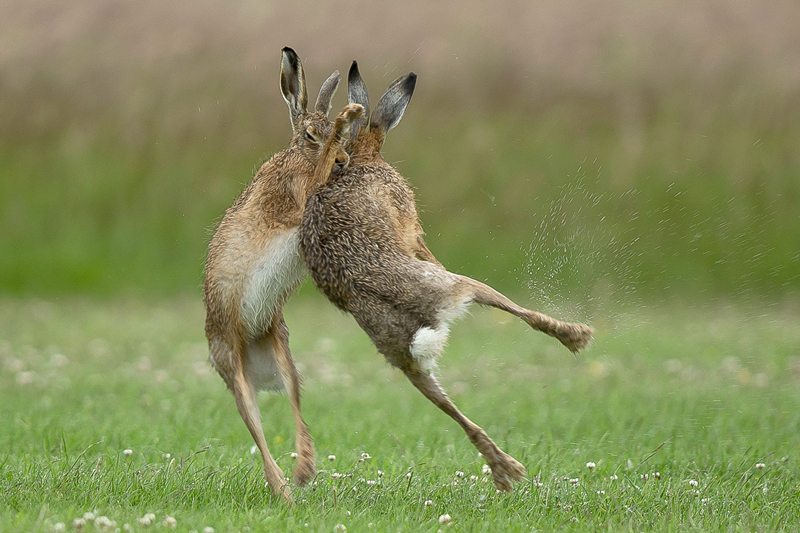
691	416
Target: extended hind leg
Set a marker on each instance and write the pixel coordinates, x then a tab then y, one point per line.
231	368
505	468
574	336
304	445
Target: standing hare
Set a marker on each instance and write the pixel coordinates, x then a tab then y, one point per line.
254	264
362	242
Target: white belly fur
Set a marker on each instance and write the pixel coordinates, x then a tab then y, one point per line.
277	272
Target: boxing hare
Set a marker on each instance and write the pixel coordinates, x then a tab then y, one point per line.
254	264
362	243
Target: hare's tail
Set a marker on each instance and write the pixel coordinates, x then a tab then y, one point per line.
574	336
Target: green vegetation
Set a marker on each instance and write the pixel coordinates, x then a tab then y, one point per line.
620	163
661	400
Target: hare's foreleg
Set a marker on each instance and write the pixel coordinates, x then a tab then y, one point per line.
574	336
246	401
304	445
505	468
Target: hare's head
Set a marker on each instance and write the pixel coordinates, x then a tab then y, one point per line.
310	130
387	114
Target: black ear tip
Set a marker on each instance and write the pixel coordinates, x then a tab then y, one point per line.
410	82
353	71
290	55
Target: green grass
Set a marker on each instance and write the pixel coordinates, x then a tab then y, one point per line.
700	393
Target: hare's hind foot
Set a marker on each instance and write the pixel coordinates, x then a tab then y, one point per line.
575	336
505	470
304	473
305	469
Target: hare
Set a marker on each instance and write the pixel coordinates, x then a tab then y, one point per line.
254	264
362	243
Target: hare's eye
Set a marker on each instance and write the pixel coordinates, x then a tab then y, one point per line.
309	137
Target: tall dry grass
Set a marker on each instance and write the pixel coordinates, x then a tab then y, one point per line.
127	127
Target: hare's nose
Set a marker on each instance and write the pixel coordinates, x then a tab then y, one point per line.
340	163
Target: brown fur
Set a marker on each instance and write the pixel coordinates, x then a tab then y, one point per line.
254	264
362	243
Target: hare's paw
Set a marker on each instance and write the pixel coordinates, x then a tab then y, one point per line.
576	336
506	470
351	112
305	469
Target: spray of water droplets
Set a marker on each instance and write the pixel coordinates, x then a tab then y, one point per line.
581	264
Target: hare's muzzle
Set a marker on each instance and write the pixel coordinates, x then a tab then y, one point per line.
340	163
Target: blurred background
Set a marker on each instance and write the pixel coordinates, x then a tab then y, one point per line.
595	152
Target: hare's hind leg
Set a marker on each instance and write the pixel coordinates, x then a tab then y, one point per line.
232	368
304	445
574	336
505	468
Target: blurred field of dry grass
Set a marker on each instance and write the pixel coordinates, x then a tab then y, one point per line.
127	128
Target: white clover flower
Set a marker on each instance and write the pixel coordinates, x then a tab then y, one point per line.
760	466
459	473
59	526
380	473
88	516
331	458
601	493
473	477
428	503
103	522
590	465
574	480
293	455
339	528
693	483
336	475
408	475
128	452
170	522
657	475
208	529
614	477
78	523
372	482
445	519
365	456
486	470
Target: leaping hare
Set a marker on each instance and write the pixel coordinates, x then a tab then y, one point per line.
362	242
254	264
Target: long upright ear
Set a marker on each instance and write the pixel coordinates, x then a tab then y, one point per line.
390	108
326	93
293	86
357	94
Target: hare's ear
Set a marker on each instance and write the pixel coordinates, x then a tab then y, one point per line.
357	94
293	86
390	108
326	93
